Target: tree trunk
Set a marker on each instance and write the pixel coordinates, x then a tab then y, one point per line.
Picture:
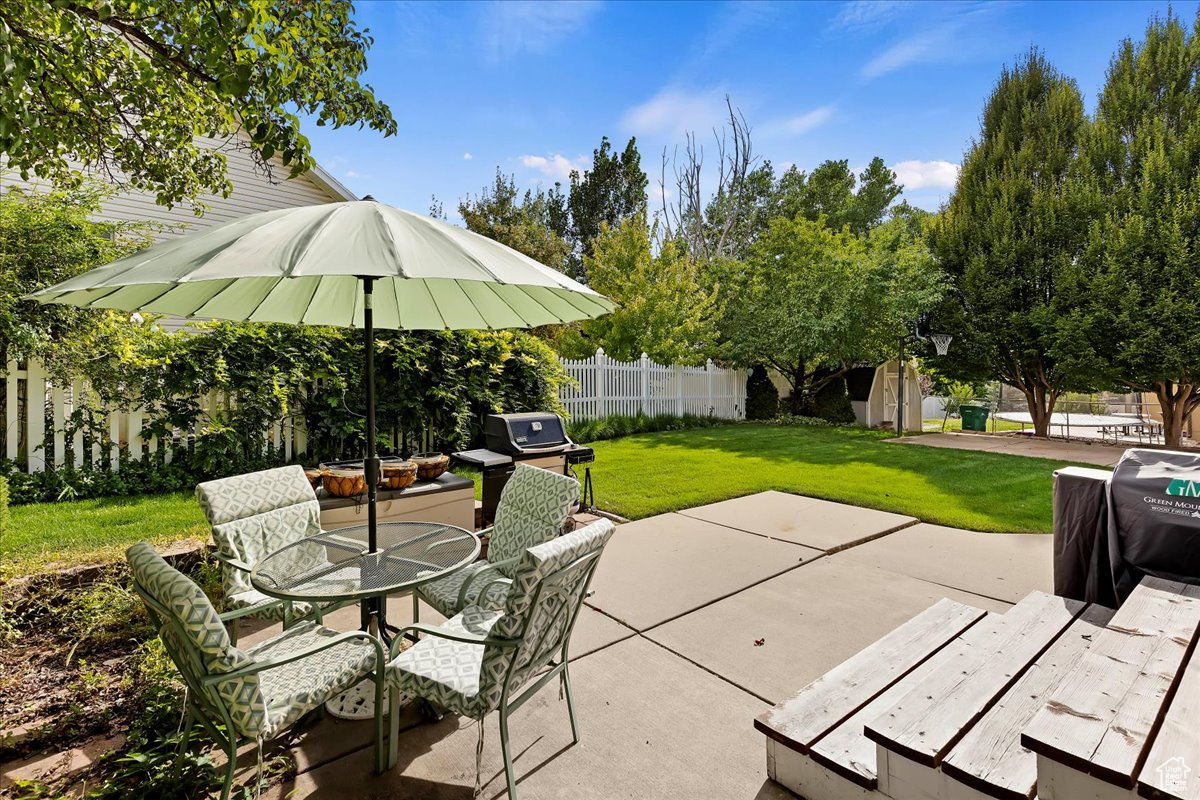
1041	407
1177	401
799	396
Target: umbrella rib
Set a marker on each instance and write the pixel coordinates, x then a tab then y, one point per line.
311	238
491	287
471	300
539	303
262	300
228	282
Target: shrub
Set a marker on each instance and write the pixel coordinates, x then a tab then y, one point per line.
832	403
800	421
617	425
762	398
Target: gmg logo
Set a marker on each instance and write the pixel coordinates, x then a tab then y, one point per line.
1180	487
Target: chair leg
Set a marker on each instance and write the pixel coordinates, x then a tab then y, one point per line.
188	722
230	769
506	748
393	728
566	682
416	607
380	699
232	628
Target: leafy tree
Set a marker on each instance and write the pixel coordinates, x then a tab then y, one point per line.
762	398
831	191
1013	227
44	239
611	192
125	87
535	225
663	309
811	301
1144	150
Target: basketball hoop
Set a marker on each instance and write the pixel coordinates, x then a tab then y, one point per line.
941	342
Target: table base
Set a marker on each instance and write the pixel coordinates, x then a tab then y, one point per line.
358	702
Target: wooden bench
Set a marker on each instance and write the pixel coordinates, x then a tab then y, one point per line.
1129	707
936	709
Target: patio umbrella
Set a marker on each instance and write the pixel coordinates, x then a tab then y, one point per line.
353	264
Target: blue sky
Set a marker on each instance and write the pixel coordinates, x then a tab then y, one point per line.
531	87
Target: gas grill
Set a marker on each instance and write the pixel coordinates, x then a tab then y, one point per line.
538	439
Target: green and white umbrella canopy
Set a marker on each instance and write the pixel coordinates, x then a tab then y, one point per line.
305	266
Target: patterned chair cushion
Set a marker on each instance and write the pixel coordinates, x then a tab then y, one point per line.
271	608
449	673
292	690
200	632
256	514
543	560
533	508
443	593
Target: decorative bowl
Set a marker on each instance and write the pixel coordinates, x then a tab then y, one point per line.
345	482
397	474
430	465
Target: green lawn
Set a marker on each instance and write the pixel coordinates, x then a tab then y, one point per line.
639	476
79	529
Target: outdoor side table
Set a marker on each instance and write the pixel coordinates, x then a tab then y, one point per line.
337	566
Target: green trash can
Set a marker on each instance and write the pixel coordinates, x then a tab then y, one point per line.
974	418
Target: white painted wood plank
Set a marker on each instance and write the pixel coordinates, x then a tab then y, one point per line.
1101	716
12	435
58	411
1172	769
924	724
35	416
77	437
837	694
990	755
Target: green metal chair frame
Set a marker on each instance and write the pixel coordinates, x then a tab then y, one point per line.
566	589
204	705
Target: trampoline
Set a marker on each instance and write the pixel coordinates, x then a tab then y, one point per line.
1116	427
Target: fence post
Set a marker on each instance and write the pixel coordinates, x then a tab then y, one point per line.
644	385
601	401
35	416
708	381
12	436
678	370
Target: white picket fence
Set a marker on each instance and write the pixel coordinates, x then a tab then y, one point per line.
34	432
37	410
606	387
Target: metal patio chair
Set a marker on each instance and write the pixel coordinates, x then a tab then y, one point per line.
480	660
252	516
533	509
253	695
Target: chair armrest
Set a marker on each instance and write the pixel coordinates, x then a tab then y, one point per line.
444	633
466	586
238	613
271	663
481	598
232	562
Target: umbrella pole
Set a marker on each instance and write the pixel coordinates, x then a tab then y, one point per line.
372	461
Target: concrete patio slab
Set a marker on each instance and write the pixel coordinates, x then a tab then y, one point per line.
1105	455
810	620
670	731
1006	566
804	520
658	568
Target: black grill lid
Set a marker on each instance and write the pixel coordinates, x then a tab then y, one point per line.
530	432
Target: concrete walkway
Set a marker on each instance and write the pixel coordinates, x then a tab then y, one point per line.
1016	444
700	620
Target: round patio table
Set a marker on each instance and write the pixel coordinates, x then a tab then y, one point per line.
338	565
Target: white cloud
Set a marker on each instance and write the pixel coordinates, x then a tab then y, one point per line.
511	27
919	47
798	124
926	174
957	32
467	156
351	173
676	111
556	166
858	14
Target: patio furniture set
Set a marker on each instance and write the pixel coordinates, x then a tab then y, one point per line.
507	633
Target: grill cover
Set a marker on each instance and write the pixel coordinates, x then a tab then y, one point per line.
1154	518
514	434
